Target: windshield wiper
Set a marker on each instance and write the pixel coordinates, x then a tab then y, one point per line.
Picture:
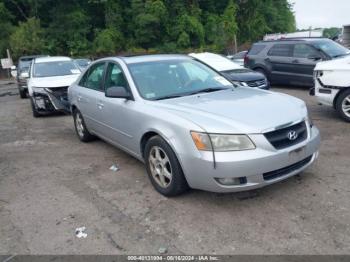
167	97
207	90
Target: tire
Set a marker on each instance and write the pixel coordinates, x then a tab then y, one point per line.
262	71
80	127
22	93
36	114
163	168
343	105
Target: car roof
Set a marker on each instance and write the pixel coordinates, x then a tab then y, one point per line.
216	61
151	58
294	39
31	57
52	59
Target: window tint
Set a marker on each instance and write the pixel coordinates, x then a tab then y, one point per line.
280	50
93	77
256	49
304	51
115	77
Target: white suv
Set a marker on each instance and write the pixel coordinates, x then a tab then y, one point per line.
332	85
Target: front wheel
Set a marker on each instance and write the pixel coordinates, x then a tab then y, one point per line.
343	105
34	110
80	127
22	93
163	168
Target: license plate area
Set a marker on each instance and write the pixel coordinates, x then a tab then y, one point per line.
297	154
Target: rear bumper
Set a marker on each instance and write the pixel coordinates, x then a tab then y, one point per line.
254	168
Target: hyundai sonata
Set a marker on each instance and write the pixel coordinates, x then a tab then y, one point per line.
190	126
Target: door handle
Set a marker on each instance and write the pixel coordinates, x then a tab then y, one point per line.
100	105
296	61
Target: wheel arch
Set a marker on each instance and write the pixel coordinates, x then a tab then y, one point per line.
341	91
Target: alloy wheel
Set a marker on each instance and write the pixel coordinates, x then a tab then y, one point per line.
160	167
79	124
346	106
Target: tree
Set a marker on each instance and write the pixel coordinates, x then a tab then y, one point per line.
229	23
27	38
5	28
107	42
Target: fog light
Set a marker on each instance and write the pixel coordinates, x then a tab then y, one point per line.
232	181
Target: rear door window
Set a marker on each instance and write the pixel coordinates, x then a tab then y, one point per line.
281	50
256	49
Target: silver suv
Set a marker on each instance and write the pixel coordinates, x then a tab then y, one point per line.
191	126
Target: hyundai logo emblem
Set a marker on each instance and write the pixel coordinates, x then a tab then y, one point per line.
292	135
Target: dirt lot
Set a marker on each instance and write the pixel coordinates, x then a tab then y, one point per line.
50	184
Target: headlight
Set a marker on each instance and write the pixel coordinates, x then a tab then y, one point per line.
221	143
238	83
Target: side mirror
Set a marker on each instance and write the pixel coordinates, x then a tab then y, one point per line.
24	75
118	92
13	68
314	57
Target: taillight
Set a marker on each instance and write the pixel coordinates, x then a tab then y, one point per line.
246	59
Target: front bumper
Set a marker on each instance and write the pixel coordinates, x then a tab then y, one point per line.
255	168
49	100
325	94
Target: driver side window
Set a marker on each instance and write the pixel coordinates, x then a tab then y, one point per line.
304	51
93	78
115	77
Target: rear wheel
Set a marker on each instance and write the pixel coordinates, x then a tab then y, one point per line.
163	168
80	127
343	105
263	72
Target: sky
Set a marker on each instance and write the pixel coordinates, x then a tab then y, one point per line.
321	13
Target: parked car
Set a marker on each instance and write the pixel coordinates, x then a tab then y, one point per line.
292	61
22	73
191	126
82	63
332	85
238	58
48	84
237	74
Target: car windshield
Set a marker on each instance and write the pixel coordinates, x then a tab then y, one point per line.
58	68
175	78
23	65
83	62
331	48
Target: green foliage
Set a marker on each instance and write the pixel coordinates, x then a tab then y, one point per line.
5	28
107	42
332	32
103	27
27	38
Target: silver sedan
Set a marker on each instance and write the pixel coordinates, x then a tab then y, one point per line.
190	126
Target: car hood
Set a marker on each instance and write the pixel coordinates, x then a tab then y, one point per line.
335	64
239	110
244	75
54	81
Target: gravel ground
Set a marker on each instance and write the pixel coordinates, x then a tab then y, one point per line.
51	184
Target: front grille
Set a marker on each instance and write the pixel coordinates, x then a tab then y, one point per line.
287	170
280	138
256	83
61	93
